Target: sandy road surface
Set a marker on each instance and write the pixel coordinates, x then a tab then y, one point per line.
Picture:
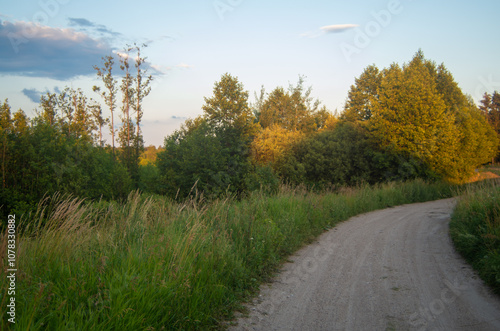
393	269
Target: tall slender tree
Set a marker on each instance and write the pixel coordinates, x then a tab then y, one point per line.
142	88
127	95
98	120
5	130
109	94
48	103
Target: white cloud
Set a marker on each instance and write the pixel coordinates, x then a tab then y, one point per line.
185	66
337	28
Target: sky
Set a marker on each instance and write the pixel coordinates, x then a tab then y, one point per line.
47	45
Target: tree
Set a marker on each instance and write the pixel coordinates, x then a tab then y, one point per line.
418	114
342	156
490	107
99	120
410	117
362	95
197	160
48	103
228	107
213	150
109	94
127	97
149	155
230	118
259	102
5	131
292	109
141	90
271	143
76	120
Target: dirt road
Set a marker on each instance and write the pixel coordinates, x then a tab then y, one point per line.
393	269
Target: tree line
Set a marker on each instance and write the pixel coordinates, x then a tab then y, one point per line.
62	150
398	123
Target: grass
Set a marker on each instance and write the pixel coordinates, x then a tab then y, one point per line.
155	264
475	230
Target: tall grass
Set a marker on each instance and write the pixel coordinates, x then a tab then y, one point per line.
475	230
154	264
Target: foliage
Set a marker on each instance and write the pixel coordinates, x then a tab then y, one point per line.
262	178
293	110
211	153
194	161
490	107
270	143
410	117
475	231
362	95
149	155
417	112
228	107
47	157
340	156
150	263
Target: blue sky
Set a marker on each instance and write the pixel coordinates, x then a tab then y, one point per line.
46	45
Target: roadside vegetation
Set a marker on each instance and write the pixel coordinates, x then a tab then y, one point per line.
475	230
151	263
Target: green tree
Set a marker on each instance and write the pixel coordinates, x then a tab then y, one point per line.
5	131
362	95
211	151
293	109
490	107
198	158
48	103
99	121
76	119
410	117
228	107
127	96
339	156
141	90
109	95
271	143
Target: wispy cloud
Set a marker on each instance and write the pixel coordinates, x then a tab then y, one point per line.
34	50
335	28
35	95
101	30
32	94
184	66
338	28
80	22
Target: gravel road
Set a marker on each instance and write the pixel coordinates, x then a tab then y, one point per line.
393	269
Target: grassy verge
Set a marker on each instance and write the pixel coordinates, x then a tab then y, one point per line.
475	230
153	264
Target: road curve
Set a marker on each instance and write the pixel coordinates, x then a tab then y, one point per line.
392	269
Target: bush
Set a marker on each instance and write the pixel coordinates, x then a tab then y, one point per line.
341	156
475	230
262	178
